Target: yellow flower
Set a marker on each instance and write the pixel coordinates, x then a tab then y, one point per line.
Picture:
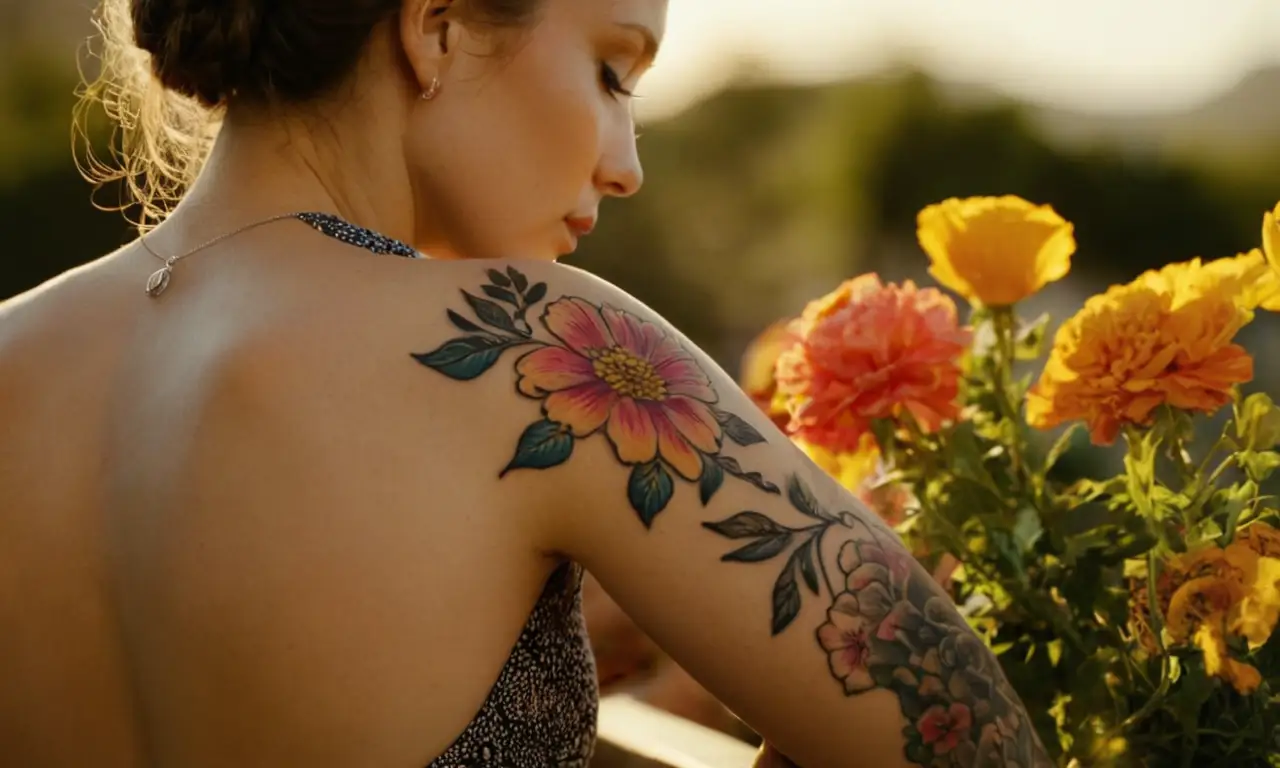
1271	236
850	468
1139	346
1260	609
1248	277
995	250
1245	678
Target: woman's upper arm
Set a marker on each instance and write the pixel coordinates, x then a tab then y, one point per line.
759	574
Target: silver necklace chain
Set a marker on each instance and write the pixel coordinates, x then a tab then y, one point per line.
159	280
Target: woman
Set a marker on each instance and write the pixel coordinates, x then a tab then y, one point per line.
279	492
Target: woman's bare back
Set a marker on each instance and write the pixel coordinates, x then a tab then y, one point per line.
214	546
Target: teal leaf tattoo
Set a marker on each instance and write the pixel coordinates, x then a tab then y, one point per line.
766	548
501	294
492	314
712	479
649	490
536	294
465	358
747	525
499	279
786	601
804	557
518	280
737	429
463	323
800	497
731	466
544	444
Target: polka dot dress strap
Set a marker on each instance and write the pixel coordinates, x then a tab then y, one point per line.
340	229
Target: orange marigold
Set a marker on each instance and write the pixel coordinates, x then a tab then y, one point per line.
870	350
1139	346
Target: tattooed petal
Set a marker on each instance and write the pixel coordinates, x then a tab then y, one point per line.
629	331
584	408
900	624
846	639
551	369
849	559
865	575
695	422
686	377
931	686
632	432
578	324
945	727
673	446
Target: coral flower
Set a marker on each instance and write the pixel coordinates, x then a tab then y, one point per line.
869	351
995	250
623	374
1135	348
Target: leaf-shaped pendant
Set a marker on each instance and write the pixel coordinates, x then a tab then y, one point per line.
158	281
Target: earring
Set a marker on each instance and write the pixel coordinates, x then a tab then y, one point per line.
433	88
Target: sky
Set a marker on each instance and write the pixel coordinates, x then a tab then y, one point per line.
1092	55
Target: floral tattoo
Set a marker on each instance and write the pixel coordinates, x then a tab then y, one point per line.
608	371
888	626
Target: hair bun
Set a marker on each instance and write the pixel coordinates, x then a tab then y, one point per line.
204	49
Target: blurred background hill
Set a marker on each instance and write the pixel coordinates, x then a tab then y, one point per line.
768	182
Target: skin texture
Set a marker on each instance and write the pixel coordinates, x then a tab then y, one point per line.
234	516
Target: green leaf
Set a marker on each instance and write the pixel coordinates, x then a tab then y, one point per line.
497	278
737	429
536	294
501	294
1054	647
1027	529
1028	342
1258	422
491	314
711	481
463	323
518	279
649	490
760	550
1259	465
786	599
802	499
747	525
1062	445
464	358
544	444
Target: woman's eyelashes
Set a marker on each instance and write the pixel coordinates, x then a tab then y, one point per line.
612	83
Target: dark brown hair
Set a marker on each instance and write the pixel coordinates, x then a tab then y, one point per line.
169	68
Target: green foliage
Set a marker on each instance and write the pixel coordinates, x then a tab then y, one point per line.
1072	581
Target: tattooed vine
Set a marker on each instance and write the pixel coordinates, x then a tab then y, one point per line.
888	626
608	371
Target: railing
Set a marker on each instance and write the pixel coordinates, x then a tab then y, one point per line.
635	735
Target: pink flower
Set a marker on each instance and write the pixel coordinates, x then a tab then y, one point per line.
869	351
846	637
622	374
945	727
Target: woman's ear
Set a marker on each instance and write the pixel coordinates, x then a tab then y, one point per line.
430	31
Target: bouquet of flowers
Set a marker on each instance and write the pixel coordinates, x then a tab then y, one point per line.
1133	614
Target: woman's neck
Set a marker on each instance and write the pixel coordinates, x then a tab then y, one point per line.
260	167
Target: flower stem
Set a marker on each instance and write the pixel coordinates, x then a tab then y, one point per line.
1003	323
1157	630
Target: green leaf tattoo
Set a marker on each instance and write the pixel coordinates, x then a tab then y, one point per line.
601	370
889	626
